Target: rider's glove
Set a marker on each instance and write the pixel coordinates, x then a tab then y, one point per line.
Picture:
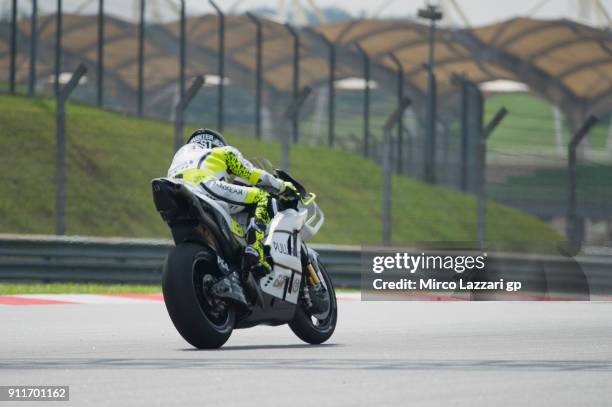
287	187
288	192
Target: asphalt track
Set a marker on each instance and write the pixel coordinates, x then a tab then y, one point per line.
383	353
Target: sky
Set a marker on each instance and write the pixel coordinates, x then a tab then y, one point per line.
478	12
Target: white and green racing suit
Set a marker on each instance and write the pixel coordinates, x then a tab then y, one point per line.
214	170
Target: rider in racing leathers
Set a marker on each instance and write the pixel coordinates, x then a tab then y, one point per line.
208	161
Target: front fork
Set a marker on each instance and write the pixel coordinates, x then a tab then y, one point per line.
314	292
312	279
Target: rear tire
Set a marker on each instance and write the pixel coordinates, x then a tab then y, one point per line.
190	310
303	324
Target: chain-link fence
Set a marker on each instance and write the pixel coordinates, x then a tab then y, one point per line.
141	54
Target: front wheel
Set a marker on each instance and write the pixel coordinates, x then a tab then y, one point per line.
203	321
317	328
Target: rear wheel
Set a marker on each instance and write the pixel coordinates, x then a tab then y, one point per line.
203	321
316	328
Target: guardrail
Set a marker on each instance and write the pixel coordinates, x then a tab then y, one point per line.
112	260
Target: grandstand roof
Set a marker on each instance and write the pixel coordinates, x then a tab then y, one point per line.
565	62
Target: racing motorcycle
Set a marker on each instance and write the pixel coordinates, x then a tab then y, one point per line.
206	291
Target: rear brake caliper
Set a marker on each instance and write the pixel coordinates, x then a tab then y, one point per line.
217	306
229	288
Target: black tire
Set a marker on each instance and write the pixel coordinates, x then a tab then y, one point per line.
303	325
187	305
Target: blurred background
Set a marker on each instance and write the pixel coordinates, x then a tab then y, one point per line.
548	63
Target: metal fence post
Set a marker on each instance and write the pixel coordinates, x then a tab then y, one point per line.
430	127
400	122
258	71
331	90
482	152
467	109
60	152
295	127
366	100
179	116
464	134
33	48
387	170
220	95
431	13
100	73
182	49
573	226
58	47
292	111
463	85
141	38
13	61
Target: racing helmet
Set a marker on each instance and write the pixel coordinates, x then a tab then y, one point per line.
207	138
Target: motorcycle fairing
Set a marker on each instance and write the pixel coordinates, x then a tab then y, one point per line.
285	242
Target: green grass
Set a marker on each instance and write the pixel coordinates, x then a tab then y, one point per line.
592	184
112	158
76	288
82	288
348	123
530	125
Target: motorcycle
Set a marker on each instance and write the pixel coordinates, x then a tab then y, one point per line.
206	292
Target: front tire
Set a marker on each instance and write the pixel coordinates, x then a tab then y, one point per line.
316	329
201	320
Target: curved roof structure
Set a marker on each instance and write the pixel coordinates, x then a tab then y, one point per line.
277	58
566	63
408	41
161	70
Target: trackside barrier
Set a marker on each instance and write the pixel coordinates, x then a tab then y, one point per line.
114	260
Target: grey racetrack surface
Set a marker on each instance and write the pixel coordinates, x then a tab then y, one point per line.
392	353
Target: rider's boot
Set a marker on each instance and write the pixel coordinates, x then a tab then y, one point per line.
254	260
254	257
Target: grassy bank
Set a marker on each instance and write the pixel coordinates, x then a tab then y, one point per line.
112	158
